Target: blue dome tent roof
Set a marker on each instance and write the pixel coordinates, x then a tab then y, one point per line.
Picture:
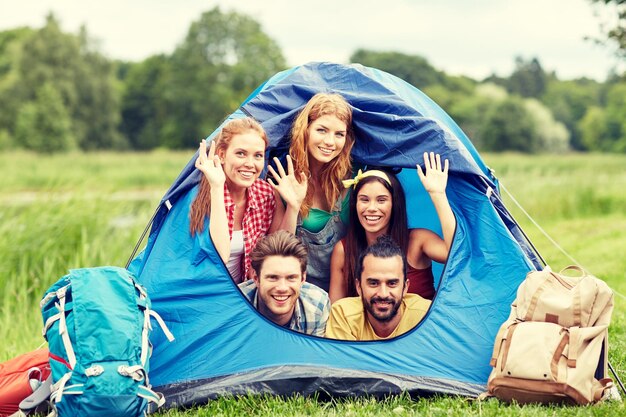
224	346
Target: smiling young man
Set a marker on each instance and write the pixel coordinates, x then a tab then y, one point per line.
278	289
383	309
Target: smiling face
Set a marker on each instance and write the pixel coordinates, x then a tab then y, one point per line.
374	208
381	287
278	287
326	139
243	160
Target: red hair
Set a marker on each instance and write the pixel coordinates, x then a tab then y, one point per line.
202	203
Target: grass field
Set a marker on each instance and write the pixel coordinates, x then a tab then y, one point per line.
68	211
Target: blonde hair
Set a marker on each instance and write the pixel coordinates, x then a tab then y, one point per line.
332	173
202	203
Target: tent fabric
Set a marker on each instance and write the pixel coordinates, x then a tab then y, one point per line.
224	346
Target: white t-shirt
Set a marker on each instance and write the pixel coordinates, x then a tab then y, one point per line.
235	262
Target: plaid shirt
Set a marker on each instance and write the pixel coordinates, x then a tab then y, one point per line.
311	312
257	218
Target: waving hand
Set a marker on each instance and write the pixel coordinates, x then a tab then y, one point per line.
210	165
291	189
436	176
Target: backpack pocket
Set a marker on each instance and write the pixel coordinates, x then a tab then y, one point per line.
538	362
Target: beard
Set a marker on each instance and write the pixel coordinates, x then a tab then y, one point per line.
382	317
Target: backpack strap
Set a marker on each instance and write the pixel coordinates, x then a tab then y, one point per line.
62	307
138	374
577	298
576	268
505	354
577	302
535	299
59	389
147	326
572	355
498	344
558	352
151	396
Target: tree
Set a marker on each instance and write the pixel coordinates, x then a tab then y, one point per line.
223	58
143	105
508	126
83	78
98	113
11	91
44	125
411	68
593	128
552	136
615	121
617	33
528	79
470	110
10	42
569	101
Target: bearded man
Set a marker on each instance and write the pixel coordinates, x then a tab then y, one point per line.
383	309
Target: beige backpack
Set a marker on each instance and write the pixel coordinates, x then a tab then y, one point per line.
553	348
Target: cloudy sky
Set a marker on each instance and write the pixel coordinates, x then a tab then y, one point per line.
470	37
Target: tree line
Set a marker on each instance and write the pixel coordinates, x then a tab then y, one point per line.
58	92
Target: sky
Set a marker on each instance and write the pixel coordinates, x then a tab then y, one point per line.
476	38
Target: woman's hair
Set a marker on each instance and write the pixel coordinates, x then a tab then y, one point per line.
322	104
200	207
355	241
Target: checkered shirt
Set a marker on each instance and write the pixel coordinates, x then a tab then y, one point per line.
311	312
257	218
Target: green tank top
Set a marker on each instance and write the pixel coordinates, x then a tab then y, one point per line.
317	218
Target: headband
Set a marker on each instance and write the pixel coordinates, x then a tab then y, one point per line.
360	175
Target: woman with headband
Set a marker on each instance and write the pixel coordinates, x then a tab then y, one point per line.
378	202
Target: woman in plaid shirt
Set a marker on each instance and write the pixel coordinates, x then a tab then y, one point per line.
242	207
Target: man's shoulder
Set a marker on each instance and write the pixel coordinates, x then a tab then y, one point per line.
416	302
312	294
349	306
248	288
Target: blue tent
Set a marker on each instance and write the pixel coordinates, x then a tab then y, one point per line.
224	346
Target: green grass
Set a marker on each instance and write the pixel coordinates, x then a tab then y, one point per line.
68	211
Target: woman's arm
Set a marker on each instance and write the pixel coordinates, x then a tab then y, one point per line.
338	285
211	167
435	180
291	190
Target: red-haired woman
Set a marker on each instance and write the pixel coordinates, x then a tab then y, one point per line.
242	207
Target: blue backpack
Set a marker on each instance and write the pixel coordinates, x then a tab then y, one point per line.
97	323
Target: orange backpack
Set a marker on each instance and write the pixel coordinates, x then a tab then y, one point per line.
19	377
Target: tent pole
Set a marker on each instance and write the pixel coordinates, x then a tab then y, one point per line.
619	381
143	235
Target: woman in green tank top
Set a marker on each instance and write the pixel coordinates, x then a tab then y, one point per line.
321	141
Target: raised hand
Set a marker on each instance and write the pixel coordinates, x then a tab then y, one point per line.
291	189
436	177
210	165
